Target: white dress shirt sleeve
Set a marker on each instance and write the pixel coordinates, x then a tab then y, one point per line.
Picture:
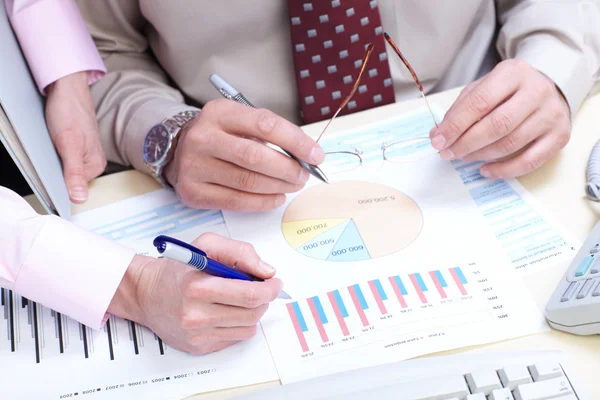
58	264
560	38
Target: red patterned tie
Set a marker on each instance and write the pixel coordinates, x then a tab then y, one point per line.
329	39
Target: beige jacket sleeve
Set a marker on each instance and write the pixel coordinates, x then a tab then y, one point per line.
560	38
135	93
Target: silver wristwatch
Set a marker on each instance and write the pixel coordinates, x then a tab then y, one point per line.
159	145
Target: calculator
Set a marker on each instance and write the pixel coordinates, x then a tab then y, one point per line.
575	304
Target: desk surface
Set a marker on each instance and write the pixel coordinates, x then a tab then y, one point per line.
559	185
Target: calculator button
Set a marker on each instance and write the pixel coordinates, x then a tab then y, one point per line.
569	292
584	265
594	250
585	289
596	291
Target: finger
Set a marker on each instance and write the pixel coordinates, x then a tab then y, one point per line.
201	346
493	89
515	141
230	175
256	156
71	153
538	153
268	126
211	196
435	130
493	127
230	317
238	254
224	335
234	292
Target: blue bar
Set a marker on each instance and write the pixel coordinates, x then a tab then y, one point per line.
320	309
300	316
438	274
421	282
380	290
361	298
340	303
461	276
400	285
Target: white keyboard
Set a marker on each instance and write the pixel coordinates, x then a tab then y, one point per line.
492	376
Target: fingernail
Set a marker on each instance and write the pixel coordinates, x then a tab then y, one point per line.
303	178
447	154
78	193
267	269
485	172
438	142
279	200
317	155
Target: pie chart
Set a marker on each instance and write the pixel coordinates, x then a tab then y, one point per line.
351	221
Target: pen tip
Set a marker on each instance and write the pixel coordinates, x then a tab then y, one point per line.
284	295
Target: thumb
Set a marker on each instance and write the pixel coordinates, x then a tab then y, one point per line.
237	254
75	176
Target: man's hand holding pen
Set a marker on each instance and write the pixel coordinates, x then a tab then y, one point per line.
221	161
193	311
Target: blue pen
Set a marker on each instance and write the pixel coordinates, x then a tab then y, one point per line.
194	257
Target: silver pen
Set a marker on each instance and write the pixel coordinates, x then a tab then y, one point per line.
229	92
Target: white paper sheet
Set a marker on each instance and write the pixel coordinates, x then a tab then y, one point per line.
47	355
531	238
417	222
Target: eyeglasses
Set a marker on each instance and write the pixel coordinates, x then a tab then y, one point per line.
402	151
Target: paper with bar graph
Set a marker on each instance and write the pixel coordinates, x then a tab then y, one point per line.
384	263
124	360
398	316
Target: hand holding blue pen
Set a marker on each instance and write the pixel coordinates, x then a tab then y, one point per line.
185	253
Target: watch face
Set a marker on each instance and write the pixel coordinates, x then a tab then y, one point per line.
156	144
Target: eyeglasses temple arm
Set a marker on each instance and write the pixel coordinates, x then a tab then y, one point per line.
412	72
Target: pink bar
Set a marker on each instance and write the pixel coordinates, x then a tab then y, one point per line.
398	293
462	289
317	318
338	314
413	279
437	283
359	309
378	298
297	328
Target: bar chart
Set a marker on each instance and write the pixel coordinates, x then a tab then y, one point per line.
345	314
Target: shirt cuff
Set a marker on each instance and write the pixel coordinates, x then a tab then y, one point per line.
56	42
565	66
73	271
145	117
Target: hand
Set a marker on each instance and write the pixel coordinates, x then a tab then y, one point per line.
514	118
221	160
74	130
190	310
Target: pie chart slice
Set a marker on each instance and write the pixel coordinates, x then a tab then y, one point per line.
351	221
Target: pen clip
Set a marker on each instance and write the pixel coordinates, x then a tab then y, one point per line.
159	243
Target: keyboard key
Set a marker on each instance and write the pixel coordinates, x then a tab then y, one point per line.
596	291
545	370
550	389
501	394
483	381
584	265
585	289
569	292
476	396
514	375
